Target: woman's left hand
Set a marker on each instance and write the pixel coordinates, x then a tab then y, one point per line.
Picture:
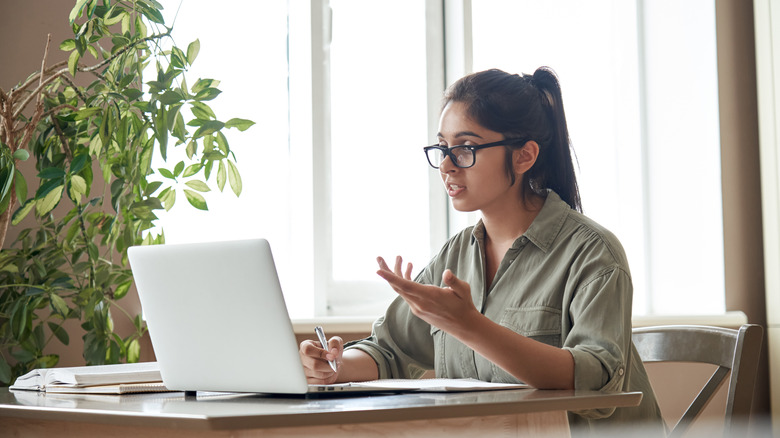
447	308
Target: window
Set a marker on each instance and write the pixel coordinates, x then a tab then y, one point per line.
640	92
345	93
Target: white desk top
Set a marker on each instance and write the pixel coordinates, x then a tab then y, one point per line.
241	411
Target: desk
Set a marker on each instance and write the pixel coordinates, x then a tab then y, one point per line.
487	413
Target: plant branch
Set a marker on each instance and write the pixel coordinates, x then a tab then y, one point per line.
114	303
92	69
35	77
75	88
83	228
57	109
63	140
126	48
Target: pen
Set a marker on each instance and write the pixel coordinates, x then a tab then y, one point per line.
324	342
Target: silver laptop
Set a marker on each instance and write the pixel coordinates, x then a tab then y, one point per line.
217	318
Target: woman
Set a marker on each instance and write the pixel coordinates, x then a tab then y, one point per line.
535	291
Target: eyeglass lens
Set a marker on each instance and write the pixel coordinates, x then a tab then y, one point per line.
464	157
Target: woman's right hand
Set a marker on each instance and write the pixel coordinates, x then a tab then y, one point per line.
315	360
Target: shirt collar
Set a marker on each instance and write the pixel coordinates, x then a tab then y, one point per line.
543	230
548	223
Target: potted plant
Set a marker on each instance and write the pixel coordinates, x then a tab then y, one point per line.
92	124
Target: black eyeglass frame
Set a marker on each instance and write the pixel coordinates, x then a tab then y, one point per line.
448	151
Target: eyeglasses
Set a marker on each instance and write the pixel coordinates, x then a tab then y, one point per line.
463	156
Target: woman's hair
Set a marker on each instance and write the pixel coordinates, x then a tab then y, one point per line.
527	106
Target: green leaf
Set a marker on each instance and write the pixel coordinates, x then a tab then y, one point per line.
198	185
222	143
208	127
152	187
125	23
202	84
60	333
73	62
22	211
68	45
5	201
241	124
196	199
132	93
24	356
76	11
235	178
58	305
192	51
166	173
78	187
192	169
48	186
20	186
51	173
93	51
20	324
122	289
86	113
168	199
78	163
192	148
178	58
115	18
207	94
221	176
21	155
47	361
178	169
202	111
170	97
153	14
133	351
5	371
47	204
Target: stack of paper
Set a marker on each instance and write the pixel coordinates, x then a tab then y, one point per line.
98	379
438	385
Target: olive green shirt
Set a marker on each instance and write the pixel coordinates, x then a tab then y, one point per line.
565	282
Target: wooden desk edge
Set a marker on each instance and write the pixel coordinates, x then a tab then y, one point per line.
235	422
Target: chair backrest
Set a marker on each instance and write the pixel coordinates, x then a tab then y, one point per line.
731	350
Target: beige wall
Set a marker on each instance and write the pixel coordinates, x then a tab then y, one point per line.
24	24
741	183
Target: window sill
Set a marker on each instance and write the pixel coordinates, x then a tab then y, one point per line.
728	320
360	324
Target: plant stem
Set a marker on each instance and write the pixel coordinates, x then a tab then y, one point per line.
86	240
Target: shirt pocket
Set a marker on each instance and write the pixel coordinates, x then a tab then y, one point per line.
540	323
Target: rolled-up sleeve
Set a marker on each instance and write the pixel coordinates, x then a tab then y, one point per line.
400	343
598	340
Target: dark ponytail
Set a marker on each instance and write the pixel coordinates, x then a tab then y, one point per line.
525	106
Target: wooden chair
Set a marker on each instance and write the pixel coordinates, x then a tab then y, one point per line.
731	350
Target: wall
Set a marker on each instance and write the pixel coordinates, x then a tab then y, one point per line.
741	182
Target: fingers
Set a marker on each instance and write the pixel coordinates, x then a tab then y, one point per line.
460	287
382	264
398	263
397	270
315	360
335	349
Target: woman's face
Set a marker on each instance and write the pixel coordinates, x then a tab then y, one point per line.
484	186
